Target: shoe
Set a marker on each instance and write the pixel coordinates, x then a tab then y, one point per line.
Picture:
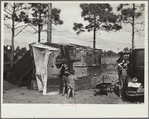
63	94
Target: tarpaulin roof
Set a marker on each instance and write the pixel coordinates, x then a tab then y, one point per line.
57	45
22	68
44	46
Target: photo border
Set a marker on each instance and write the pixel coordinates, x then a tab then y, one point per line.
17	110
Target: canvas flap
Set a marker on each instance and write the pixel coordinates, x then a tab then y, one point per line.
41	61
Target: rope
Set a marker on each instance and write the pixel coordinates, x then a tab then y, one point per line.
23	39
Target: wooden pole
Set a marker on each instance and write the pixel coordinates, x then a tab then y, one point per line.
49	26
39	32
133	26
12	41
94	39
39	25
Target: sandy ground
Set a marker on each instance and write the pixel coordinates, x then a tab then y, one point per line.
13	94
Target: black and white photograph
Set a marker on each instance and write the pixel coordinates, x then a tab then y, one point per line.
74	54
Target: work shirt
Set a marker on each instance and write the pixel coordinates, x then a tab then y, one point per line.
64	71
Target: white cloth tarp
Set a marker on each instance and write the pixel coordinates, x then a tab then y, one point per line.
41	61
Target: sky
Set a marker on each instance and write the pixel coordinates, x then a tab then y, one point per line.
70	14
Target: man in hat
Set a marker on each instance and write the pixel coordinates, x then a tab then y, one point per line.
64	72
123	70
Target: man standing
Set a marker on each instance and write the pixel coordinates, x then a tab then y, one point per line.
64	73
122	72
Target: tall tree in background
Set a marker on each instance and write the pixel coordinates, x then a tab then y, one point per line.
131	14
100	17
14	15
40	14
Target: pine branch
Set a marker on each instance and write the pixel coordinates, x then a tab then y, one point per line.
20	30
127	22
29	31
7	12
7	26
17	23
137	31
125	31
17	7
11	5
8	8
5	16
141	17
33	28
20	26
98	33
22	8
142	23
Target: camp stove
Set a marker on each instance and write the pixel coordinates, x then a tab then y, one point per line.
103	88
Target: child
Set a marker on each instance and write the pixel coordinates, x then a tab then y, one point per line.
71	83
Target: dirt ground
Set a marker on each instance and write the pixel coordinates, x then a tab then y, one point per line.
13	94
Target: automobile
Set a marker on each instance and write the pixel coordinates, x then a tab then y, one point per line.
133	76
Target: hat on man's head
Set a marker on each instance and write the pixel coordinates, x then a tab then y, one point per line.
65	61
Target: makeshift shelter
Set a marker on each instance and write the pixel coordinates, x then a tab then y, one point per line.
49	56
46	59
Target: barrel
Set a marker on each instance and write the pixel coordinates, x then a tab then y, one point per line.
137	64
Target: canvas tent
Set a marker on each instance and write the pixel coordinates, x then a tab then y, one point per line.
49	56
46	70
46	58
21	73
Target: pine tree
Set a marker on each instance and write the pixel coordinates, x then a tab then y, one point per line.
40	13
129	14
14	15
100	17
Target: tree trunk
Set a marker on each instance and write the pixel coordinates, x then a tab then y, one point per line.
12	38
94	39
39	33
39	29
49	26
133	26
